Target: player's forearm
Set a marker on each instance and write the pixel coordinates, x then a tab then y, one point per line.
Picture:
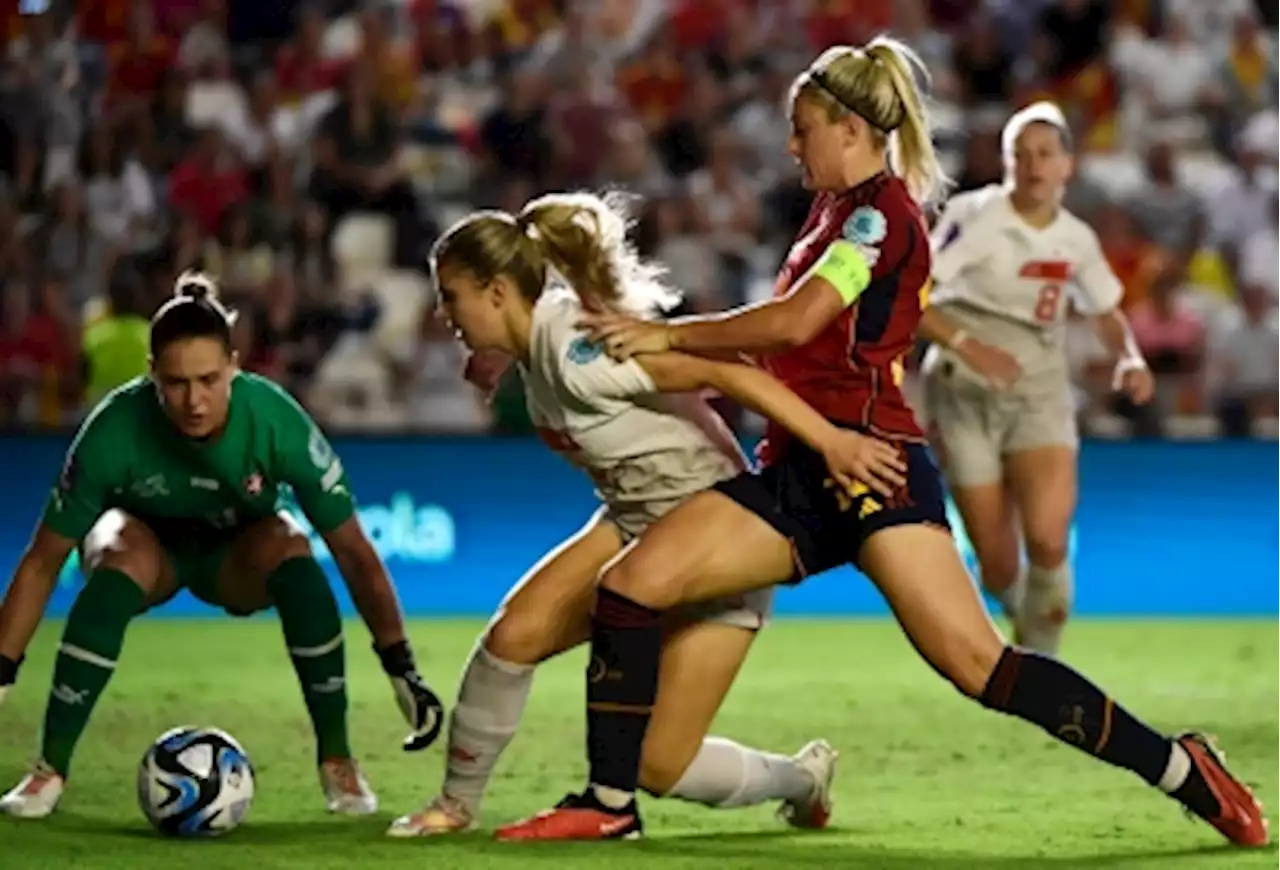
756	329
1113	329
766	395
24	605
936	327
374	596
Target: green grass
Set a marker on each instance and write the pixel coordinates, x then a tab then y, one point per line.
928	780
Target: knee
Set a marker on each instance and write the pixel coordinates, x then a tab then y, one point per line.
642	583
292	547
1047	543
999	571
129	548
996	546
519	637
283	542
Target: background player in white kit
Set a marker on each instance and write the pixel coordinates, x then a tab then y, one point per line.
1008	261
646	452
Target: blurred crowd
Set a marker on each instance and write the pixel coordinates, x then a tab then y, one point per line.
307	155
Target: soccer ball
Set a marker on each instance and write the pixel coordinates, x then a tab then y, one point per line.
195	782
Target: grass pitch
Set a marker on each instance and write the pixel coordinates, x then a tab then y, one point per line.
928	780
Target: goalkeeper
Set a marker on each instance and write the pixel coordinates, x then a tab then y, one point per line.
174	482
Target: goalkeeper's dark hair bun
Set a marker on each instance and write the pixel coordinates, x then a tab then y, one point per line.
195	285
193	312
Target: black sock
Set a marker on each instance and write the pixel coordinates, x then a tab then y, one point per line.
1047	693
622	680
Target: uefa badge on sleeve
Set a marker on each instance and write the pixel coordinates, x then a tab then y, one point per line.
866	226
583	350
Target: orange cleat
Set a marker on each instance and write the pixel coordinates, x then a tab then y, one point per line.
578	817
1240	817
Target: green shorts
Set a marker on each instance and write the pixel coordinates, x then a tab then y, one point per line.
196	570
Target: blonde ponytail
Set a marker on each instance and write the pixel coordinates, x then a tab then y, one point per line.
878	82
582	237
914	157
568	232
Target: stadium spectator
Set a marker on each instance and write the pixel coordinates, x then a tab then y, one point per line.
1171	336
115	348
302	69
359	163
1259	259
1167	212
208	181
1243	362
235	135
137	63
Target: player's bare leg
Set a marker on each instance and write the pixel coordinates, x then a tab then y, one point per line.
919	572
1043	483
547	612
126	571
271	563
990	521
680	560
700	661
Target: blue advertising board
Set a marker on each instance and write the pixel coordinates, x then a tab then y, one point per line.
1163	528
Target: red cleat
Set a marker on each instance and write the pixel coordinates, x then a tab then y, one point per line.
577	817
1240	817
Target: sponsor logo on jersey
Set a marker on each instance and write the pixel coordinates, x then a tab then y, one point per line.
866	226
150	487
582	350
1047	270
319	449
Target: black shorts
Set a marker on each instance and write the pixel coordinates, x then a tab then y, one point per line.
826	525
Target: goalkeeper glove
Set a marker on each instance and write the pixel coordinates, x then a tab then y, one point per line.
421	707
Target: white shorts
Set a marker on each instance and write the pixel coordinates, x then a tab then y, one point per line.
750	610
972	426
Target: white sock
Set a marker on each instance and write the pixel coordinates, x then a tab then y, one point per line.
613	798
490	703
1049	586
1177	770
727	774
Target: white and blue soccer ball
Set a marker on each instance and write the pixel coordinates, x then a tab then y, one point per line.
195	782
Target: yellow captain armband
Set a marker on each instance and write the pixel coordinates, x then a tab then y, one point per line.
845	268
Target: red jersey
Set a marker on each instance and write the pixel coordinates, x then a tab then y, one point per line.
852	371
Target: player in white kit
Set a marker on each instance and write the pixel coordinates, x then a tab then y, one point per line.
519	284
1008	261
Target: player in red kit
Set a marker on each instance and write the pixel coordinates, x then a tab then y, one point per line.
847	305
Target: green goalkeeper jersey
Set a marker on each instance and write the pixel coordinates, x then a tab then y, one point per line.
195	494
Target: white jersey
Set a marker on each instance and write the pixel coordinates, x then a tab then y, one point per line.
644	450
986	257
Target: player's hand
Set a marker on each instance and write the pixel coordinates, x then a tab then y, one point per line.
854	458
485	369
1136	382
624	337
998	367
421	706
8	675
